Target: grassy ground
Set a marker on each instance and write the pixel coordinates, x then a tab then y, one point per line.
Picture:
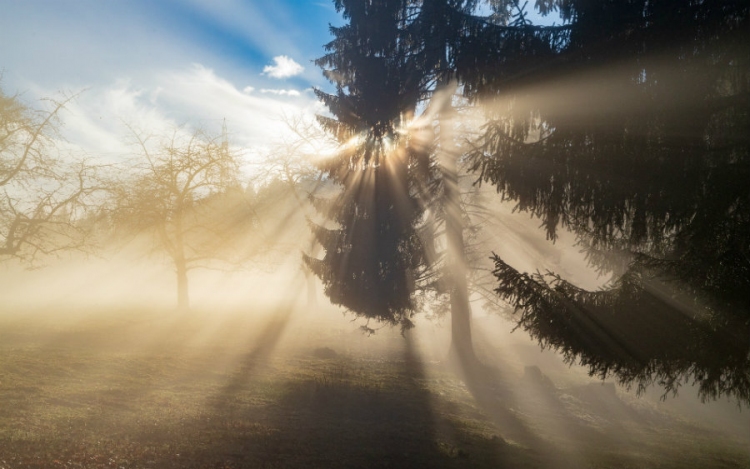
140	390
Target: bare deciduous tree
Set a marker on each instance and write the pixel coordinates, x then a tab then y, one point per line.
185	192
44	194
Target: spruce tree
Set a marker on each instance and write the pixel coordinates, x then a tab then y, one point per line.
631	131
373	251
391	57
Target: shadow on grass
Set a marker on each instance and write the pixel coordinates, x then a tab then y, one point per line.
347	414
267	406
525	412
248	364
582	426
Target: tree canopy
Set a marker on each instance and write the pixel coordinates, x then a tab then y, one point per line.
372	252
634	136
386	63
44	193
186	194
626	124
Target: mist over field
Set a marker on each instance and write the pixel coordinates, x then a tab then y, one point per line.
382	233
99	368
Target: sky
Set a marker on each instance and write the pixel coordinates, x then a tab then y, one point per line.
156	65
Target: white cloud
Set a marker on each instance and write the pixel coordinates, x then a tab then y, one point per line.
285	67
281	92
95	122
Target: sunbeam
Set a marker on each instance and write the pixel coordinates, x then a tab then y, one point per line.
375	233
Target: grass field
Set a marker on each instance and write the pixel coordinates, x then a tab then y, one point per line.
125	389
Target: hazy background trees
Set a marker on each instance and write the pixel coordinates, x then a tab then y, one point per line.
46	194
291	162
184	193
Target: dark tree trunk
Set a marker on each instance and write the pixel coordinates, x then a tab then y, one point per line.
312	291
461	342
312	295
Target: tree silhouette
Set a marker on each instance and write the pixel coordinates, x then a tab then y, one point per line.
392	57
628	125
586	131
373	251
